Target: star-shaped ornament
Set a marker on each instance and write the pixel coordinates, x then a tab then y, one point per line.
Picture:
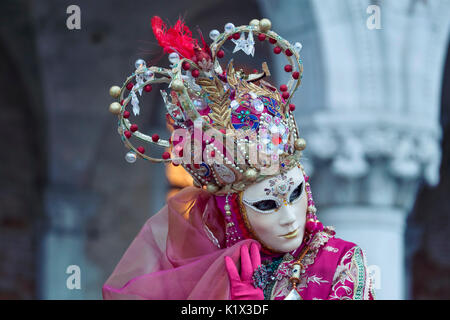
246	45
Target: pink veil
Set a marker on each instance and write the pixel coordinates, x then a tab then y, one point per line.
178	254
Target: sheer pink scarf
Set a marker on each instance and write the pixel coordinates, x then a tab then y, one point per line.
178	254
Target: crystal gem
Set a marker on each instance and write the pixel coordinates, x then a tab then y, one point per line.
199	104
148	74
213	34
229	27
174	57
298	46
258	105
140	63
130	157
234	104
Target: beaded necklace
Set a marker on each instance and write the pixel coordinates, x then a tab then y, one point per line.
270	274
271	268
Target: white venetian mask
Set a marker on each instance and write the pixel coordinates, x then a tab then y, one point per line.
276	210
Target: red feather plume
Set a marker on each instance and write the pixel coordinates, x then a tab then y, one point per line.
206	48
175	39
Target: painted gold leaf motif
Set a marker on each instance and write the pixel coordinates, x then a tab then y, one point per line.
219	101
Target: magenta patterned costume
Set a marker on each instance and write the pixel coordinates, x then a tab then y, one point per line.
335	270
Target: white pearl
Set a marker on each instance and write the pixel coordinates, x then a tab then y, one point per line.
130	157
213	34
148	74
298	46
140	63
174	57
229	27
234	104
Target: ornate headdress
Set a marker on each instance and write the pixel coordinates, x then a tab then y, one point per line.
230	129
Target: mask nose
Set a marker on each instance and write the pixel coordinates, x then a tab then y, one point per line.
287	216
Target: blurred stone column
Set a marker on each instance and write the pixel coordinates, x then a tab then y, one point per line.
63	245
369	110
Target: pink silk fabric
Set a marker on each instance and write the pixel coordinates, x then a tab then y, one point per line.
174	255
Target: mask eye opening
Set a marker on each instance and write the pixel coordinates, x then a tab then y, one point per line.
296	193
265	205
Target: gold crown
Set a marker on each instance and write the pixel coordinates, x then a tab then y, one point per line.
230	129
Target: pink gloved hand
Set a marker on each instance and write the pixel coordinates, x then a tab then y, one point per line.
242	287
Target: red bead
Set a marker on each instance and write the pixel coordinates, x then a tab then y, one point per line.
166	155
121	102
272	40
213	154
288	68
223	131
127	134
133	127
283	88
291	107
180	152
130	85
195	73
148	88
220	54
140	149
196	166
230	37
261	37
155	137
285	95
295	75
255	71
236	36
277	50
186	65
276	139
288	52
126	114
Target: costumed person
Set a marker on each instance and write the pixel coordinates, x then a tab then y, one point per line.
248	227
